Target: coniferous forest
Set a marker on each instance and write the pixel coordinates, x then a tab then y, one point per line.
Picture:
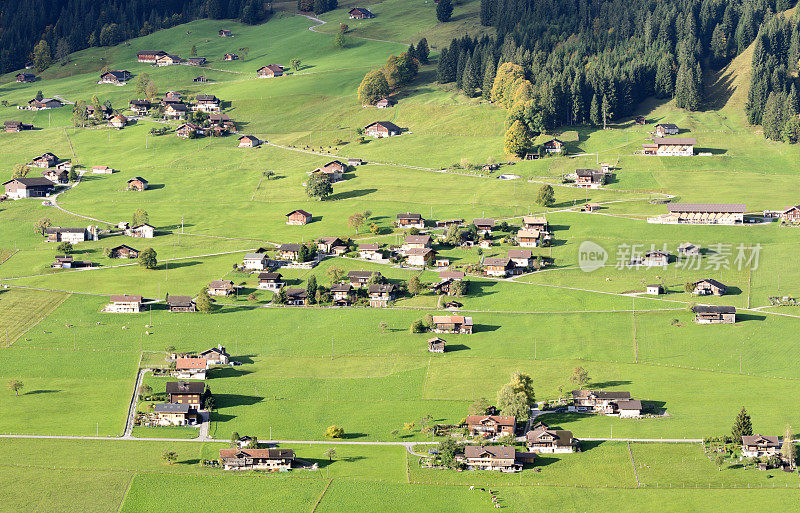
593	61
57	27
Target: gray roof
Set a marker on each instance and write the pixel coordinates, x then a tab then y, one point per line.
172	408
255	256
58	229
494	451
483	222
179	301
290	247
33	181
706	309
675	140
185	387
409	215
601	394
713	208
629	404
362	274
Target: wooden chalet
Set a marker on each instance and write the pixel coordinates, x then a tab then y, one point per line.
185	392
542	439
25	78
554	146
124	303
436	345
342	294
670	147
168	60
230	57
72	235
137	184
270	71
58	177
249	141
272	459
707	314
225	33
590	178
380	129
535	223
521	258
206	103
298	217
116	76
490	426
175	110
501	267
665	129
334	170
196	61
117	121
332	245
410	220
452	324
44	160
370	251
44	104
360	13
789	215
15	126
759	446
296	297
149	57
380	294
420	257
688	249
290	251
703	213
220	288
362	278
531	238
416	242
708	286
216	355
141	231
168	414
123	251
597	401
190	368
139	107
384	103
255	261
181	304
484	225
271	281
494	457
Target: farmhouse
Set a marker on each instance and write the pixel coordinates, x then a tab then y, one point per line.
542	439
498	266
191	368
490	426
703	213
380	294
652	258
185	392
535	223
230	57
334	170
218	119
370	252
139	107
220	288
447	223
168	414
168	60
384	103
758	446
296	297
452	324
225	33
175	110
196	61
789	215
553	146
123	251
420	257
629	409
249	141
206	103
137	184
25	78
362	278
272	459
216	355
332	245
360	13
689	249
44	104
416	242
670	147
521	258
495	457
44	160
289	251
270	71
446	281
484	225
531	238
342	294
665	129
118	121
708	286
409	220
380	129
104	111
15	126
33	187
180	304
255	261
298	218
270	281
67	262
124	304
73	235
590	178
189	130
705	314
597	401
149	56
56	176
436	345
117	76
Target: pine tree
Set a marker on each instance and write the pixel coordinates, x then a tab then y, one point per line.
471	80
577	102
320	6
463	57
423	51
487	12
488	79
444	10
719	45
742	426
664	86
311	289
772	120
594	111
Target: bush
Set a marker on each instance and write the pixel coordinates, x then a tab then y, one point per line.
418	326
334	432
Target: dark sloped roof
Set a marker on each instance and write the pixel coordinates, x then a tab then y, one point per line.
185	387
32	181
494	451
706	309
712	208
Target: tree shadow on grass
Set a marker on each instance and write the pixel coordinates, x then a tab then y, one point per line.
193	461
480	328
351	436
223	401
356	193
451	348
227	372
740	317
608	384
35	392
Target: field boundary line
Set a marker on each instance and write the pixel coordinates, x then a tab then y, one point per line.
127	490
633	464
319	499
66	295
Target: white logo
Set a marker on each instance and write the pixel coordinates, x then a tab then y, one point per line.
591	256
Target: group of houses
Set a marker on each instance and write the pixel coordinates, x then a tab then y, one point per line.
45	103
702	213
159	58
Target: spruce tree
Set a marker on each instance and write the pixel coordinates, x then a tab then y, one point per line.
487	12
444	10
488	79
576	97
463	57
311	289
422	51
441	66
742	426
664	86
470	81
772	120
594	111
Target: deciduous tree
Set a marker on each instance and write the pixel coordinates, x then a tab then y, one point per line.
148	258
319	186
15	386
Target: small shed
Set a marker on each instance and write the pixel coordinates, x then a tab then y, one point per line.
436	345
655	290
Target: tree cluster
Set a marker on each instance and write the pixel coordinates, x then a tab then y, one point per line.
398	71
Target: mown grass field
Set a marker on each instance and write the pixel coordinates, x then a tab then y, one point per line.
304	369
